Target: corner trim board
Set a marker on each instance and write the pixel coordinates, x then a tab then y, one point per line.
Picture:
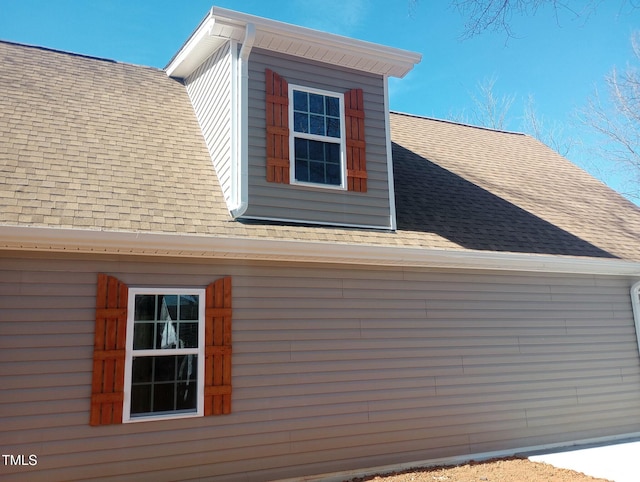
635	305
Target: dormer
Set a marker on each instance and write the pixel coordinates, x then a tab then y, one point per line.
296	120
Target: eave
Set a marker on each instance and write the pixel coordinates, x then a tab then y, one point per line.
221	25
61	240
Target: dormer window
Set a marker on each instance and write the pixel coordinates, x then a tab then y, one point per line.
317	140
315	137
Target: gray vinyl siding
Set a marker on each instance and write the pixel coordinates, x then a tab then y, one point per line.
334	368
209	88
318	205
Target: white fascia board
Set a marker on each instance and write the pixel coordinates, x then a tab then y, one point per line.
374	58
194	51
287	38
46	239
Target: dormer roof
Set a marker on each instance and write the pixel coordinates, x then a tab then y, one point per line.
221	25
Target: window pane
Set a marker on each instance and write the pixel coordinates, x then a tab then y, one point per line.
145	307
302	149
333	174
188	307
333	127
186	399
332	106
164	384
188	335
164	368
316	172
316	150
167	336
164	397
332	153
140	399
167	307
300	122
143	336
142	370
316	114
316	125
316	103
302	170
300	101
318	162
187	367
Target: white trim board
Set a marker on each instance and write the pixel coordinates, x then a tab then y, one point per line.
47	239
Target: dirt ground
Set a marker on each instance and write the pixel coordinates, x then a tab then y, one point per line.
499	470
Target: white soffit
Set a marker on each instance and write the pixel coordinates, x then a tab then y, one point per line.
222	24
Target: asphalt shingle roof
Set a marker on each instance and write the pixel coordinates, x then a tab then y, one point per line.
501	191
94	144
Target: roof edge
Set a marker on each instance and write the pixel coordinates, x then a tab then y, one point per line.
67	240
287	38
78	55
457	123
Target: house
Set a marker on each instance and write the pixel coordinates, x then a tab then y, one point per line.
245	268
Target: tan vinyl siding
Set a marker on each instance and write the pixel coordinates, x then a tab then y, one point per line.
334	368
298	203
209	88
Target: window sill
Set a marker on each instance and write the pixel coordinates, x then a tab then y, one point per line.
167	416
319	186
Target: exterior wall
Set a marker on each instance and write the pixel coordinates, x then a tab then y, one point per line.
334	368
209	89
298	203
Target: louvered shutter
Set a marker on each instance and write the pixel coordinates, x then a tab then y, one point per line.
107	391
277	114
356	147
217	373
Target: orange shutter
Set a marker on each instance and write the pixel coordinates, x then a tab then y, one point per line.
356	147
107	391
277	95
217	372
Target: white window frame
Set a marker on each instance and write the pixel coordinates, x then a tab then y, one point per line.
130	352
315	137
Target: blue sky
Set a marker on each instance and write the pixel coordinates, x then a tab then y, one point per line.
555	57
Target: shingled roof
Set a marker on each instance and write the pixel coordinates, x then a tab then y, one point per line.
92	144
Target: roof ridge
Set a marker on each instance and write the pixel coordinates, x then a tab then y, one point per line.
75	54
464	124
